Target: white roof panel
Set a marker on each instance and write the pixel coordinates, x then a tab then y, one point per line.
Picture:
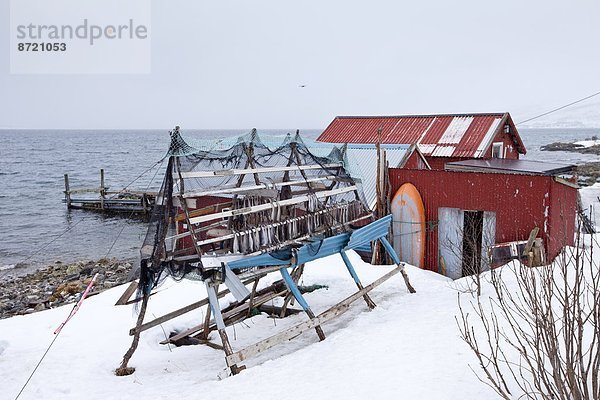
443	151
456	130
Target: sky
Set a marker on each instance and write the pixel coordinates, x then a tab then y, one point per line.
240	64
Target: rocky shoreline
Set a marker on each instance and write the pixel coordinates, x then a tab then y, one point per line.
571	147
58	284
588	172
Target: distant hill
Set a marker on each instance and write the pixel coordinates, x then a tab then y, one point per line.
584	115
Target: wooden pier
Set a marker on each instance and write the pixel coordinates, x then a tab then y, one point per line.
124	201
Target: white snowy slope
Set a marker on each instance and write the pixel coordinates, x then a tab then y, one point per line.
584	115
408	347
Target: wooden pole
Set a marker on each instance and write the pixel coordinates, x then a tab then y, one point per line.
206	329
376	256
123	368
67	192
102	190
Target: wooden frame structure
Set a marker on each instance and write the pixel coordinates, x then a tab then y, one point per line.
266	227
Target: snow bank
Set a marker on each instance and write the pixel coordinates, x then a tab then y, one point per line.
590	197
408	347
588	143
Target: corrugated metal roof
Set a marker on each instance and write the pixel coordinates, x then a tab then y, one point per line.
361	164
458	135
505	166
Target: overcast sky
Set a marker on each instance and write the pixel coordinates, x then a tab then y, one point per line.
239	64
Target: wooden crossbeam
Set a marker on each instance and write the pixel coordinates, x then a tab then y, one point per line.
279	245
232	235
186	309
229	190
264	207
242	308
297	330
244	171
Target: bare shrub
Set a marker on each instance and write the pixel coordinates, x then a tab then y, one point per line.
538	334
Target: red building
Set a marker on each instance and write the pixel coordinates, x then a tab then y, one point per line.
441	138
508	198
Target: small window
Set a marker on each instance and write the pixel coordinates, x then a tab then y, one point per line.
497	150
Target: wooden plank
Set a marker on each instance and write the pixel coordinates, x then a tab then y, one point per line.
186	309
109	201
230	236
244	171
242	308
299	239
134	192
127	294
532	235
230	190
297	330
278	312
565	182
264	207
85	190
203	210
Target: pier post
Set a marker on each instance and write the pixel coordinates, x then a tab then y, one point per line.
102	190
67	192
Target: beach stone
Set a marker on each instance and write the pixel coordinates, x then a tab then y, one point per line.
85	271
74	269
72	277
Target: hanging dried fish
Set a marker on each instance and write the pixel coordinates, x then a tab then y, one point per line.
256	239
236	243
250	241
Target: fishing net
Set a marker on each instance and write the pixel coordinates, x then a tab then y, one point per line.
233	197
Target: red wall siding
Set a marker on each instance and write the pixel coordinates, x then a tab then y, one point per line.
439	163
414	162
201	202
562	215
519	202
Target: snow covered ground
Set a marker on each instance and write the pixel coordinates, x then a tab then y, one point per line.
590	197
408	347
